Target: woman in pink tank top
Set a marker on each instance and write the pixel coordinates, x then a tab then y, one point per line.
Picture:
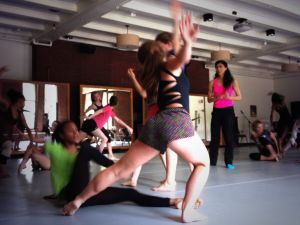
221	94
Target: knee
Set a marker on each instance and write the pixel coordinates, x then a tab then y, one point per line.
104	140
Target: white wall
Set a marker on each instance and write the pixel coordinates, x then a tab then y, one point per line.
17	57
289	87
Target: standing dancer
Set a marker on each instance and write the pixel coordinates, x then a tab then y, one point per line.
171	127
285	121
220	92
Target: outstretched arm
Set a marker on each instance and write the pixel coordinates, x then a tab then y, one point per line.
26	127
136	84
175	9
188	33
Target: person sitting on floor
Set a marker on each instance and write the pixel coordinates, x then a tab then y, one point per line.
266	143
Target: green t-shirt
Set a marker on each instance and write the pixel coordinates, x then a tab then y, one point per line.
62	163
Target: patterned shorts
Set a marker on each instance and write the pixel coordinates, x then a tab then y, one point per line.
167	126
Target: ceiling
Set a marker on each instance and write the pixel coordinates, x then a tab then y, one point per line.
99	21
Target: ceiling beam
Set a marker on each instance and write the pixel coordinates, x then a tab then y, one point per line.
161	10
86	14
65	6
119	29
21	24
124	17
291	7
252	13
29	13
269	50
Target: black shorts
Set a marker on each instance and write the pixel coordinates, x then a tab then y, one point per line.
88	126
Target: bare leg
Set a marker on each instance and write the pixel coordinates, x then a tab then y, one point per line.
137	155
26	157
194	151
110	152
134	178
103	138
169	184
42	160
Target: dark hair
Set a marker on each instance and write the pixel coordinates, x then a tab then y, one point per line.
164	37
255	124
93	95
56	136
228	78
277	98
14	96
153	58
113	100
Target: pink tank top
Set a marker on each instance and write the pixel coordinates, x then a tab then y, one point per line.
218	89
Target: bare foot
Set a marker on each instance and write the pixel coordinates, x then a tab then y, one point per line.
113	158
165	187
192	215
70	208
129	183
178	203
21	167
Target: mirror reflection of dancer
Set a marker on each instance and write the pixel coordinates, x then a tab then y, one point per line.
97	105
169	43
93	125
266	142
171	127
285	121
11	113
220	93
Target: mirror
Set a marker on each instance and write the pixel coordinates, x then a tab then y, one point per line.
123	110
45	103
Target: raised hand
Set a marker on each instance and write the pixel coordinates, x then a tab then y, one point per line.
187	29
130	73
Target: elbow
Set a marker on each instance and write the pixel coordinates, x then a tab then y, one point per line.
144	94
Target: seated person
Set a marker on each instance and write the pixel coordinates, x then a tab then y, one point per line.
36	153
266	143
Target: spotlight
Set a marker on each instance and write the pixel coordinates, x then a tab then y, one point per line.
270	32
208	17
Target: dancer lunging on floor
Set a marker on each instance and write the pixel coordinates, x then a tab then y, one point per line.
171	127
70	172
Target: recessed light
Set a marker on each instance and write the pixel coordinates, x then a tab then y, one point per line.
133	14
270	32
208	17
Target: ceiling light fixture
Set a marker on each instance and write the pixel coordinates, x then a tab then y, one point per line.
208	17
220	55
127	41
270	32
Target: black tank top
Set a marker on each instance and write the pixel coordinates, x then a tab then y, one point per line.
98	107
176	91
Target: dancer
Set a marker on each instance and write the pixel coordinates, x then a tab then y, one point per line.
285	121
220	93
266	143
92	126
11	113
70	172
36	153
170	44
171	127
294	140
97	105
